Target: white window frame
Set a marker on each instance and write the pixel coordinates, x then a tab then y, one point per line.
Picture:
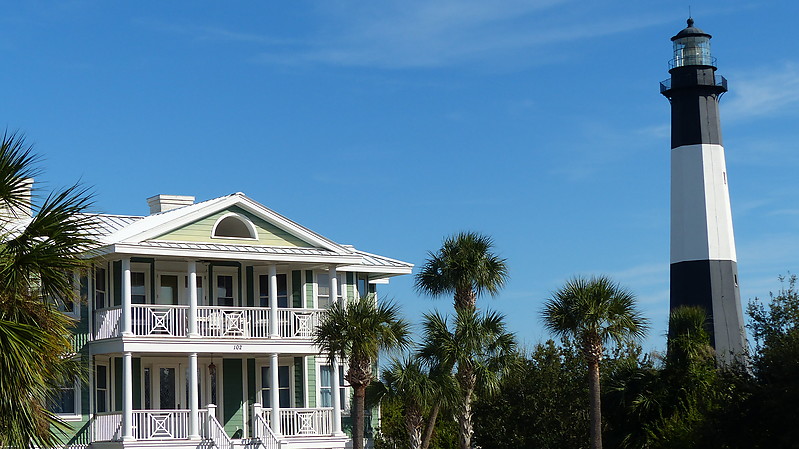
142	268
246	221
259	387
95	289
108	389
77	415
233	273
257	281
343	386
341	280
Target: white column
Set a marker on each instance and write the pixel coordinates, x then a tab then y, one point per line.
274	397
127	396
194	414
333	285
334	368
127	309
192	269
273	330
336	394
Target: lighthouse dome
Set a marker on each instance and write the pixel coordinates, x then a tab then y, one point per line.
691	31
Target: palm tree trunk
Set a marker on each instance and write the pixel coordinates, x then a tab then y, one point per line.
430	426
595	407
413	425
465	428
465	299
359	394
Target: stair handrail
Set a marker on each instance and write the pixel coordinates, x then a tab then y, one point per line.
264	433
215	432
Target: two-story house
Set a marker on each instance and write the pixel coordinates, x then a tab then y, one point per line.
197	329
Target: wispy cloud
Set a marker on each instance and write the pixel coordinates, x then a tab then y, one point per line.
766	92
436	33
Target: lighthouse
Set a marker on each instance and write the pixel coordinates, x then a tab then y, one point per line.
704	269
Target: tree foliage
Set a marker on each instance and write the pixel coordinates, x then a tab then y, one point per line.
40	251
465	267
356	331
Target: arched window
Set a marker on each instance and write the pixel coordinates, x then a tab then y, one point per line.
234	226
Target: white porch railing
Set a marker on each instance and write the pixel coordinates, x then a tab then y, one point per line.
297	323
264	433
151	320
303	421
108	323
159	320
107	426
212	430
160	424
227	322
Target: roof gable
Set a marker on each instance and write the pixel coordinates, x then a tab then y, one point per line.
194	223
201	230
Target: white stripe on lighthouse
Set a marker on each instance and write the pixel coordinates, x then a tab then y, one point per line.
701	218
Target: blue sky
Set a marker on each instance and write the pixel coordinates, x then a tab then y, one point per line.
389	125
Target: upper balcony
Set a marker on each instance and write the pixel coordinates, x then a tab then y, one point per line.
209	322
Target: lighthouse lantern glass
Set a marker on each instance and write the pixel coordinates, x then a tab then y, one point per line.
692	50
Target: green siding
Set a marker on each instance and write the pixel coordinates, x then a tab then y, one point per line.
309	289
200	231
311	381
233	419
296	288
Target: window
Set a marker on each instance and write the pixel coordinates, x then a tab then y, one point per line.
282	290
363	286
168	290
65	400
138	288
99	288
283	384
323	300
101	389
326	386
224	290
233	226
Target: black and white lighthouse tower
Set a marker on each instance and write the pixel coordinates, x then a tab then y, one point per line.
704	269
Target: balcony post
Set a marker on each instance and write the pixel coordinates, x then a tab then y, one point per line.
273	320
127	307
335	388
192	269
127	395
274	393
194	409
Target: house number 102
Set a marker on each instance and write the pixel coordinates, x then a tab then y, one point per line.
237	347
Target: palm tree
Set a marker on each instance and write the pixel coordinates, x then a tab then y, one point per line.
40	249
594	312
356	332
478	348
421	393
465	267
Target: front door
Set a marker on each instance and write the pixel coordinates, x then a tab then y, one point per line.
165	392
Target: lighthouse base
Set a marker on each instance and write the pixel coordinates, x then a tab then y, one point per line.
713	285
